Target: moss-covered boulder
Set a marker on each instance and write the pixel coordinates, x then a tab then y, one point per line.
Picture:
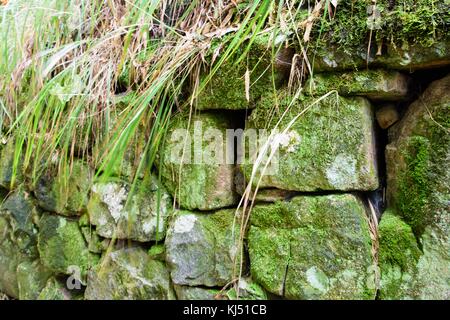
373	84
330	145
62	247
267	66
17	238
196	161
55	289
129	274
246	289
313	247
143	218
65	192
418	184
31	279
7	155
201	248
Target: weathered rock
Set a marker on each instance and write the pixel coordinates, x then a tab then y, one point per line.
196	293
56	290
373	84
65	193
329	147
312	247
195	165
17	238
62	247
201	248
158	252
129	274
31	278
227	88
387	115
418	181
411	57
142	219
7	154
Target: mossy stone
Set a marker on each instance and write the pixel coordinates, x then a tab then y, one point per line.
201	248
373	84
62	246
193	162
331	146
419	189
17	238
66	192
143	219
227	89
31	278
129	274
313	247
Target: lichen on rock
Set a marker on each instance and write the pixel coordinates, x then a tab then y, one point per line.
143	218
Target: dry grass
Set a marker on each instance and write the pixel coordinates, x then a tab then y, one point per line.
3	296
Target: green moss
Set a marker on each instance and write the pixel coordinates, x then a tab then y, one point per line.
414	189
7	155
226	89
316	247
423	22
398	246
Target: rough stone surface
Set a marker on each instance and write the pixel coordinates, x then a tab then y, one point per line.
31	279
17	239
312	247
418	184
62	247
193	164
65	194
227	88
200	248
387	115
142	219
373	84
329	147
129	274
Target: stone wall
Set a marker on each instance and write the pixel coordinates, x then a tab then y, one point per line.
182	232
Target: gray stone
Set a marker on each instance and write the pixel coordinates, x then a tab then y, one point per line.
142	219
196	293
65	192
201	248
129	274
